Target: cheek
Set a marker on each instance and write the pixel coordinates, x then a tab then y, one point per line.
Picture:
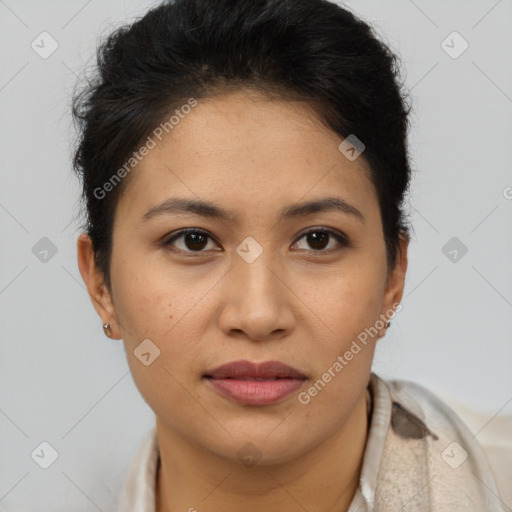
345	305
150	307
165	307
343	349
347	299
149	298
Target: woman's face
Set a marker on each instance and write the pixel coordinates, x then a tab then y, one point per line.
254	285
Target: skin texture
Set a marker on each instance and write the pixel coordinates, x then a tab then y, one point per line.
298	303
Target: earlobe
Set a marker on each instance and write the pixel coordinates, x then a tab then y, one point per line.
95	283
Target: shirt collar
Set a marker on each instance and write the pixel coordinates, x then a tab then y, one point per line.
378	430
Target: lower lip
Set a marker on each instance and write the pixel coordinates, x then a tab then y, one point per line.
256	392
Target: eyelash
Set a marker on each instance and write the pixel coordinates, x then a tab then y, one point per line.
334	234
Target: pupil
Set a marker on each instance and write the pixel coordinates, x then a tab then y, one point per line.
195	241
313	239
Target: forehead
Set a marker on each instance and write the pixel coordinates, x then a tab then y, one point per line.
244	144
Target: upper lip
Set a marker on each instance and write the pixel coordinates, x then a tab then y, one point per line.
248	369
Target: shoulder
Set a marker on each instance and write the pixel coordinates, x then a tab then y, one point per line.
456	432
451	414
488	429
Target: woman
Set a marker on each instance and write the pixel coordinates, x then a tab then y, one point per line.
244	166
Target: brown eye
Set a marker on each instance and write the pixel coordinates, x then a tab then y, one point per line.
196	241
192	240
318	239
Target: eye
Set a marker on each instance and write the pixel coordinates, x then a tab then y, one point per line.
192	240
195	241
319	238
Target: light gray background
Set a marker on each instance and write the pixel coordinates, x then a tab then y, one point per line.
63	382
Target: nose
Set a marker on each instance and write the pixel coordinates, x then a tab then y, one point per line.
259	303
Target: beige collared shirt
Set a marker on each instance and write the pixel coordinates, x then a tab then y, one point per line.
419	456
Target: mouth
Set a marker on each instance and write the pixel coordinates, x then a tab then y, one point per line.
255	384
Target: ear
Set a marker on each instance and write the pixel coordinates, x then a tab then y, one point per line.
95	283
396	281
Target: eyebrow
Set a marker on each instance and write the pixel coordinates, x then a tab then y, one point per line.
176	205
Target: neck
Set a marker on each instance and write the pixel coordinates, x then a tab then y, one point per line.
325	479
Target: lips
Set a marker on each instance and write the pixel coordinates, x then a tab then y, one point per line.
255	383
248	370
